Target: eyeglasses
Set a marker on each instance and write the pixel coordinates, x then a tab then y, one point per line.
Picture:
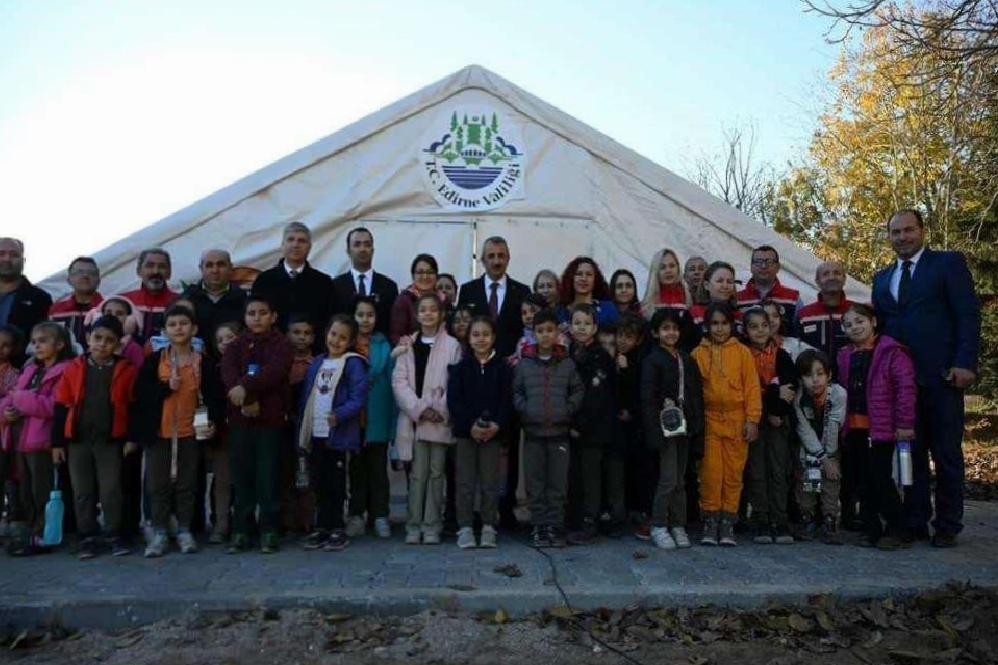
764	262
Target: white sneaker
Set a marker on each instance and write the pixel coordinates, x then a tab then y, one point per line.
413	536
661	538
431	537
356	527
186	542
488	539
681	537
382	528
466	538
157	546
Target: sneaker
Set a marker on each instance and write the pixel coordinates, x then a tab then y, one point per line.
413	536
944	539
556	537
709	530
148	533
643	531
806	531
315	540
726	532
466	538
382	528
539	538
763	536
118	546
662	539
488	539
681	537
157	547
782	535
269	543
239	544
586	535
185	539
886	543
336	542
89	549
216	538
829	532
431	537
356	527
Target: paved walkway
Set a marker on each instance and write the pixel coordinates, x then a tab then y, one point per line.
390	577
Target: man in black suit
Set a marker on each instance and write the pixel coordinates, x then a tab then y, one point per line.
22	304
499	295
361	279
293	286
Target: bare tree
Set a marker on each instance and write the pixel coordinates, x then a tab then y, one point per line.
735	175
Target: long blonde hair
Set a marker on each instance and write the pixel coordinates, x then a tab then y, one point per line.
653	291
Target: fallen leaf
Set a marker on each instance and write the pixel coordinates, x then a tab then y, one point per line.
509	570
874	640
500	616
799	623
128	641
696	659
825	622
562	612
21	637
461	587
905	656
639	554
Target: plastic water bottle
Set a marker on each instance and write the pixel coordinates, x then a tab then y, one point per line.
301	475
906	475
54	510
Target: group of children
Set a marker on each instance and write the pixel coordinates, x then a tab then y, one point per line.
612	420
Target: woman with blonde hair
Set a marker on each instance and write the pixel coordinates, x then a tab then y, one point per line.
665	286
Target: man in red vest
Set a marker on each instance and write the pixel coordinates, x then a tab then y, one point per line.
154	294
84	277
765	285
819	324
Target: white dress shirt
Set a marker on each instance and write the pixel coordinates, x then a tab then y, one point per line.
368	279
500	292
899	268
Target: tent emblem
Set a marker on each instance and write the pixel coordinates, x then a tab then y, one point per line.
476	163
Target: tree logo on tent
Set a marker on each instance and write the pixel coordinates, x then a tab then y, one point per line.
477	163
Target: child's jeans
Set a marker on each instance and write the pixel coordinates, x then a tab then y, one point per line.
369	487
162	489
254	461
96	466
426	486
545	465
669	507
721	473
828	498
767	470
477	466
34	472
330	483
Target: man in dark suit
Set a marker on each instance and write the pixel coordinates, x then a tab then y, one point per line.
361	279
927	301
293	286
497	294
22	304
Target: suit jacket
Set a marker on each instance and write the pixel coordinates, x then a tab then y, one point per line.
310	294
510	324
941	322
30	306
382	288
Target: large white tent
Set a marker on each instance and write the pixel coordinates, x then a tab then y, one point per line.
424	176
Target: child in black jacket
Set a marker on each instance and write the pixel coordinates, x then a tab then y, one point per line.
660	381
479	399
595	424
769	456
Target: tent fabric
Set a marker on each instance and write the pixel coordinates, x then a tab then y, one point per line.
583	193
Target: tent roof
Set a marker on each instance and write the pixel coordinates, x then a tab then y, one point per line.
796	262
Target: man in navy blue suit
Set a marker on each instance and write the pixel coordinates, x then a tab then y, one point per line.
926	300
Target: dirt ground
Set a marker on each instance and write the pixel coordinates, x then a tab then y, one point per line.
956	624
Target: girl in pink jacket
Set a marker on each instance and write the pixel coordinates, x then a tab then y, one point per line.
879	377
419	382
26	426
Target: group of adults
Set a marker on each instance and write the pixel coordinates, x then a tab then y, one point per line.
925	299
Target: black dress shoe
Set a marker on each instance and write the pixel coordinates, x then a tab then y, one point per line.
916	534
944	539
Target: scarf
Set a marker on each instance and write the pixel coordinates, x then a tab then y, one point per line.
765	362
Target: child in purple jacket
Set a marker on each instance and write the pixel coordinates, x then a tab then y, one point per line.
332	397
879	377
26	428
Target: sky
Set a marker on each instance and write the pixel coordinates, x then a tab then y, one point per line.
115	114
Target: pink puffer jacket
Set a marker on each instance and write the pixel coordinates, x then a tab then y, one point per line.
36	407
890	388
